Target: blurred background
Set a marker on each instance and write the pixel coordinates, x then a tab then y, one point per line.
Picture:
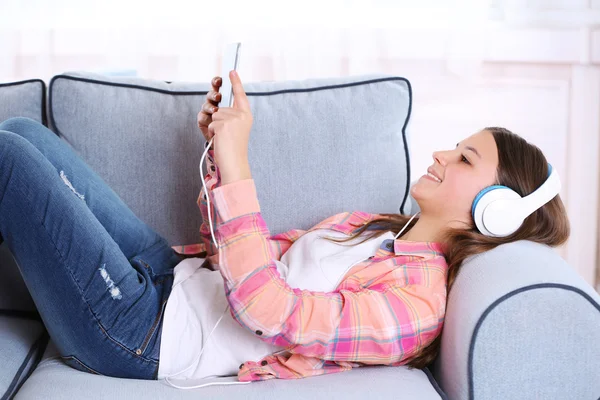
532	66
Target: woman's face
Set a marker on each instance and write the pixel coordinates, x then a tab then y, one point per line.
462	173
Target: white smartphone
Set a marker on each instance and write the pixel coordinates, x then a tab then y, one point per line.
231	61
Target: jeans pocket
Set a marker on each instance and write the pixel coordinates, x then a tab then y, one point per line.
76	363
151	271
151	333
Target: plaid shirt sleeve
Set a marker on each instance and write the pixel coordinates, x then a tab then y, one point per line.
371	324
206	247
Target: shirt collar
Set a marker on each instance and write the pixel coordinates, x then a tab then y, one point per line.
410	248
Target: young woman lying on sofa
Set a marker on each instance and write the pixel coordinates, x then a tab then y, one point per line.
356	289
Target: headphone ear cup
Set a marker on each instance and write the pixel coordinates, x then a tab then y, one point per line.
485	219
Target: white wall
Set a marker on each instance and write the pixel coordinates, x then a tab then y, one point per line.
540	77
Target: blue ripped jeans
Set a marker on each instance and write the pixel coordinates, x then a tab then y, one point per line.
99	276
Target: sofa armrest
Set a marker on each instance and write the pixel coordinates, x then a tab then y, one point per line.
520	323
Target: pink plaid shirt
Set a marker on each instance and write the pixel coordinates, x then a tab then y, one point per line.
385	309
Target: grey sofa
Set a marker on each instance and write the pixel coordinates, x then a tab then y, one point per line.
520	323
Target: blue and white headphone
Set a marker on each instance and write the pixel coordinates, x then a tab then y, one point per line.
499	211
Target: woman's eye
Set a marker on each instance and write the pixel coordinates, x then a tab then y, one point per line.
464	159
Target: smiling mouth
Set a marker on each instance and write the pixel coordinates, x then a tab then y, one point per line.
432	176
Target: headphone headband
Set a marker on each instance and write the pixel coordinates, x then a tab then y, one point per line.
549	189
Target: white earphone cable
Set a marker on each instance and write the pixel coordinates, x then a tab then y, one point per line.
196	360
206	191
408	223
227	308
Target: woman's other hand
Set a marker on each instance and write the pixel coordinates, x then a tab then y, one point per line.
209	107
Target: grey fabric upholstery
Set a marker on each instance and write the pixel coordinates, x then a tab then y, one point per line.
520	324
55	380
23	339
23	99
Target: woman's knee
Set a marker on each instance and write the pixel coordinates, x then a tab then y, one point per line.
27	128
13	146
18	124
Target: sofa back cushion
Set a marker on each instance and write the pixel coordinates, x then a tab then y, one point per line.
317	147
23	99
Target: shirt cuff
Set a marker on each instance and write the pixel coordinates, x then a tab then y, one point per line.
210	162
235	199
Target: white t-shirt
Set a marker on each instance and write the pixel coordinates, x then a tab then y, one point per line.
197	301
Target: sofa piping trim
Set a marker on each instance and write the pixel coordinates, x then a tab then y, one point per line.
502	299
52	120
37	350
434	383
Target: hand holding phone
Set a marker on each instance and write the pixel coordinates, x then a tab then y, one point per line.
222	97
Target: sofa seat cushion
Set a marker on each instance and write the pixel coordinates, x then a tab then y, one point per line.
53	379
23	339
23	336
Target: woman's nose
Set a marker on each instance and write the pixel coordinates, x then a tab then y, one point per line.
440	157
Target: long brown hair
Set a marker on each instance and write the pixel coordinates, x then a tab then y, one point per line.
521	167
